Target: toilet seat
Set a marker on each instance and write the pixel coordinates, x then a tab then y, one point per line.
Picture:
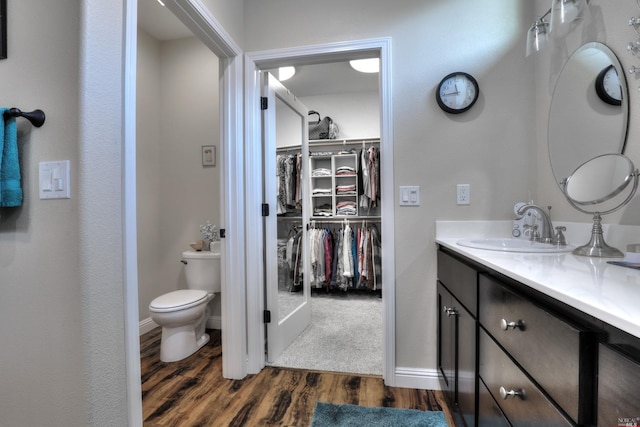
178	300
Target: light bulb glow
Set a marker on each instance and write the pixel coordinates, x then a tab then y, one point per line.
370	65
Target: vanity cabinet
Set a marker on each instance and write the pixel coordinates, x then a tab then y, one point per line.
550	350
618	388
457	336
535	360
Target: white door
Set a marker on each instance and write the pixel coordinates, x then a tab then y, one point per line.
288	292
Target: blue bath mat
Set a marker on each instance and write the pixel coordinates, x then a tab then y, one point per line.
330	415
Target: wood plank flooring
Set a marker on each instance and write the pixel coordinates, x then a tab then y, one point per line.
193	393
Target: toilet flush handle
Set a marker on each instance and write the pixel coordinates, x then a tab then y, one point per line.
183	261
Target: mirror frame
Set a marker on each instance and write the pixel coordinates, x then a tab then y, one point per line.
558	149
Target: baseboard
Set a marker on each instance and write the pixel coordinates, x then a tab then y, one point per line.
423	379
214	322
147	325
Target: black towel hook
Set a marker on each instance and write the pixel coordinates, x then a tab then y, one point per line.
36	117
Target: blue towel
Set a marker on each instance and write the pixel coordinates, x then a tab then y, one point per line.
10	190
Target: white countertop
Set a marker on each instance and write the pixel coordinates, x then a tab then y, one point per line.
608	292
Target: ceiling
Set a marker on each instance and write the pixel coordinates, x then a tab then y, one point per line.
309	80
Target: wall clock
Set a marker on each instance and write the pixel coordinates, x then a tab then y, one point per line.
608	86
457	92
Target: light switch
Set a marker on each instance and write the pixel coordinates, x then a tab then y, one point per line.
410	195
54	178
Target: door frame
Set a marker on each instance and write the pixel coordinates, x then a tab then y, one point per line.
254	63
206	28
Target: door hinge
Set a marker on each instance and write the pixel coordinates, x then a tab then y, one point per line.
264	102
266	316
265	209
223	233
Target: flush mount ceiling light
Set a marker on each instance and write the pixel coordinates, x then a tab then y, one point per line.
285	73
161	3
562	14
369	65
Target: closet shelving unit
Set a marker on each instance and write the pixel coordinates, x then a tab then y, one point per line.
330	156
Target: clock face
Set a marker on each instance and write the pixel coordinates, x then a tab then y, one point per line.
457	92
608	86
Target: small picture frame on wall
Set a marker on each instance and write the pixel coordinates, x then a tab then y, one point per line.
3	29
208	155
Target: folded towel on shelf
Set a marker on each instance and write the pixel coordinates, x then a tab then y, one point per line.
10	189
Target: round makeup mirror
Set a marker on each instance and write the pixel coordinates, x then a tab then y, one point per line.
600	186
589	110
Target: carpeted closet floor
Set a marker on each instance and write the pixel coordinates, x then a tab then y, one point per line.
345	335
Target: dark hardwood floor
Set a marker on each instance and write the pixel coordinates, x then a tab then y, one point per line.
192	392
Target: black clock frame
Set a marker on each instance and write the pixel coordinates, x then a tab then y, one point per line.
448	109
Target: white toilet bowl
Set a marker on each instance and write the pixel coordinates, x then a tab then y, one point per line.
183	314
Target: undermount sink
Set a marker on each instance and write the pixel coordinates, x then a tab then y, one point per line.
514	245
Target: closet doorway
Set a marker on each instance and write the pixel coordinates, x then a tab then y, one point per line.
324	278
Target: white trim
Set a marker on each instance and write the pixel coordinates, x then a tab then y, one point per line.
253	156
147	325
422	379
254	223
233	273
195	15
130	235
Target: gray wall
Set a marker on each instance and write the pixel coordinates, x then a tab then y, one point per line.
178	113
499	146
494	140
41	356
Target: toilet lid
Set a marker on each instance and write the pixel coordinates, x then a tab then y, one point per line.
178	299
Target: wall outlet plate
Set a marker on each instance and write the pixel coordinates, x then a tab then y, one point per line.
463	194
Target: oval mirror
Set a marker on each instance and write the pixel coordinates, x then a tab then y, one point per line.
599	179
584	120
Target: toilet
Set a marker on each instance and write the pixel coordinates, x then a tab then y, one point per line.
183	313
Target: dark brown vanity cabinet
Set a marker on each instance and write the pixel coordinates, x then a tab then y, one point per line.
512	356
618	389
457	336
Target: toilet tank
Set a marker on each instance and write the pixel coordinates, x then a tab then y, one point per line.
202	270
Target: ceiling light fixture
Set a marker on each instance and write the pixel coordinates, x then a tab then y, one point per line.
369	65
285	73
160	1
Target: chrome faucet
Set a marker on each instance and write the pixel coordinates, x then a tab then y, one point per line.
546	234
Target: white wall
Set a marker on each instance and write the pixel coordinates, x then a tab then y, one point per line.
178	113
492	147
356	114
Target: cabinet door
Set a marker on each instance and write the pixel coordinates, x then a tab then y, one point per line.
618	389
466	370
446	343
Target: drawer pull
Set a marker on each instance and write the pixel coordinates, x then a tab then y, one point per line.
451	311
513	393
506	325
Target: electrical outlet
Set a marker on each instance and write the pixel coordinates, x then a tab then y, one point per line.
463	194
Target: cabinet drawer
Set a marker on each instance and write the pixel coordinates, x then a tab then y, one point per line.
548	348
532	408
618	389
489	413
460	279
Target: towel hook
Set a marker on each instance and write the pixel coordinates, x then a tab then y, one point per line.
36	117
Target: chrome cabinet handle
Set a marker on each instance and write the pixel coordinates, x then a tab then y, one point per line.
451	311
506	325
513	393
